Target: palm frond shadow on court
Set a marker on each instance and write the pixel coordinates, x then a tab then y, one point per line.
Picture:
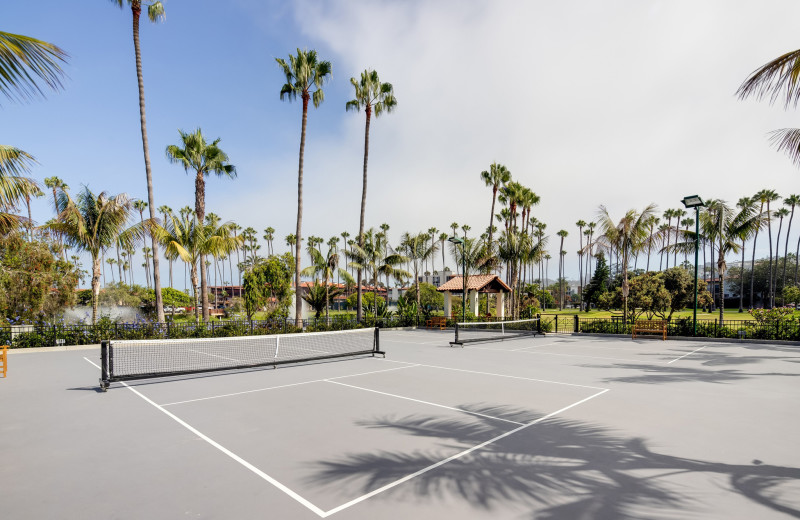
558	468
659	374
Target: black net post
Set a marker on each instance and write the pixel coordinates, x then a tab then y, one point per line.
456	327
378	343
104	364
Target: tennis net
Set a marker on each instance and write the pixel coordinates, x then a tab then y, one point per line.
139	359
470	332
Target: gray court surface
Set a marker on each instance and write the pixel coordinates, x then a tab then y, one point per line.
553	427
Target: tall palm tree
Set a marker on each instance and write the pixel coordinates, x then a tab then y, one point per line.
34	191
563	234
442	237
185	237
269	236
759	197
780	213
56	184
93	223
496	176
202	159
111	262
305	75
774	80
791	201
770	196
628	236
140	205
581	224
375	96
723	229
748	204
155	13
166	211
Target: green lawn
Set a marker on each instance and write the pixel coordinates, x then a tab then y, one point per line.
730	314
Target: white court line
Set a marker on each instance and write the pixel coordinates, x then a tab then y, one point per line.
426	402
456	456
213	355
283	386
689	354
226	451
324	514
499	375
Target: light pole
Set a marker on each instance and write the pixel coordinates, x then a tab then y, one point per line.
694	201
456	240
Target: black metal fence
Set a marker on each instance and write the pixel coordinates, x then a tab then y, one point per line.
46	335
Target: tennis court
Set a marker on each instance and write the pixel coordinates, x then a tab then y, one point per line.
545	427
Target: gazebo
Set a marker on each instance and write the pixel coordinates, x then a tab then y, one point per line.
478	283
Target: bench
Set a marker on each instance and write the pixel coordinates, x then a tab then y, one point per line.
4	360
436	321
650	326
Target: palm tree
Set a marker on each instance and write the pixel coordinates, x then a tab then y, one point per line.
496	176
376	258
760	197
581	224
305	75
770	196
186	238
326	266
93	223
202	159
723	229
628	236
442	238
780	213
155	13
111	262
791	201
32	190
778	79
668	214
166	211
269	235
373	96
416	250
140	205
563	234
744	204
56	184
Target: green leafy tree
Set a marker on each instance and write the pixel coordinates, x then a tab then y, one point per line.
326	266
202	159
34	282
376	97
376	259
791	295
429	297
268	285
305	75
155	13
598	285
649	296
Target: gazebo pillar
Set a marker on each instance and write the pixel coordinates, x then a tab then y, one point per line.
447	304
473	302
500	303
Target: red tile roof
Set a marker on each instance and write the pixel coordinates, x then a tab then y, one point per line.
475	282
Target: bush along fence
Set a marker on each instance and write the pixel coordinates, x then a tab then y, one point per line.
785	329
47	334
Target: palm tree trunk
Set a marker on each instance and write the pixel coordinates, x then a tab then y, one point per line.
753	260
769	302
741	281
200	211
119	263
136	9
786	247
194	290
363	207
298	307
777	257
95	286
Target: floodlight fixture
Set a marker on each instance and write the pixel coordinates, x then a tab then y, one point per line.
693	201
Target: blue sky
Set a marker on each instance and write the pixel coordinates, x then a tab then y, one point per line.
619	103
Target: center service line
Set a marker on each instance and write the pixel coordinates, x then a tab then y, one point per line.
689	354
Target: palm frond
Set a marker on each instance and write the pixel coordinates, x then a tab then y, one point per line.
787	140
777	79
26	61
